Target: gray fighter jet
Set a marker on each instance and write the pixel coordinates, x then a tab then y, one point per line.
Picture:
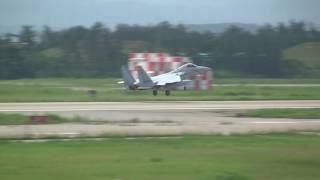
166	82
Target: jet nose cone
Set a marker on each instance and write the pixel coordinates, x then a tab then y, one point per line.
203	68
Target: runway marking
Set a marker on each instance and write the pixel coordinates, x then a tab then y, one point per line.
152	109
282	122
55	133
268	85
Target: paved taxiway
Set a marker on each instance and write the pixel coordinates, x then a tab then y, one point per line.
156	118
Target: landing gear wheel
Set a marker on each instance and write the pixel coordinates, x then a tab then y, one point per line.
167	92
155	92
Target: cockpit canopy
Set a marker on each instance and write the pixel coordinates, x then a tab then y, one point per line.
185	67
190	65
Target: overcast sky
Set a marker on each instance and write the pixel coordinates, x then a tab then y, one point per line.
64	13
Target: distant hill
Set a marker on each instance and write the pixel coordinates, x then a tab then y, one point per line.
215	28
9	29
15	29
220	27
307	53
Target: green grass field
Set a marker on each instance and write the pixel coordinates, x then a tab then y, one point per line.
283	113
50	90
245	157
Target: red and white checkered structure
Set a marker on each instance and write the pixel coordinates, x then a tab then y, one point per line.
158	63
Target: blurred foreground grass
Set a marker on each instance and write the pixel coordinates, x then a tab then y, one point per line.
66	90
244	157
21	119
283	113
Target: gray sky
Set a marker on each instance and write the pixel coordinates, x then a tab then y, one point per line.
64	13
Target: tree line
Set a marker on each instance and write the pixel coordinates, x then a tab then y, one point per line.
98	51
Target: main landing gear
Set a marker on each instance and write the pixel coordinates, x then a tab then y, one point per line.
155	92
167	92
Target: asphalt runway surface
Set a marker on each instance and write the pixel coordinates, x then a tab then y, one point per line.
155	118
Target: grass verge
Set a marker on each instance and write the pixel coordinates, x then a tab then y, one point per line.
20	119
244	157
75	90
313	113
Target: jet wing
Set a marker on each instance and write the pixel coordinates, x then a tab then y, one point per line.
165	79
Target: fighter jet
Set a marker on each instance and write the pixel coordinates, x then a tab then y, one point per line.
167	81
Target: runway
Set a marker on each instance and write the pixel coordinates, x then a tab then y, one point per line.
154	106
155	118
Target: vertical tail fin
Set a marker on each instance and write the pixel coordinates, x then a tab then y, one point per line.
129	81
144	79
